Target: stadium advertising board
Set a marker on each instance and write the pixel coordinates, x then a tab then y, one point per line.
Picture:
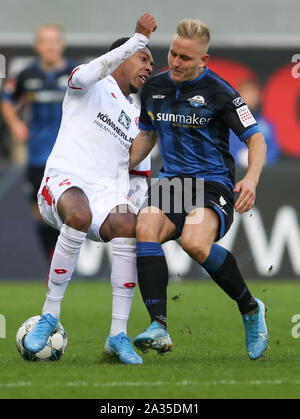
266	240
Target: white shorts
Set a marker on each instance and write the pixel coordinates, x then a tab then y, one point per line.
101	200
138	190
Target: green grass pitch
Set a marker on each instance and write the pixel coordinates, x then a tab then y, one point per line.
209	358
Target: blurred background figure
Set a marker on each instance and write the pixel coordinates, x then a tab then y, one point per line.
31	107
251	94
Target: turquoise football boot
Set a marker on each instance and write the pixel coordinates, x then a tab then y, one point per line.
256	331
36	340
120	345
155	337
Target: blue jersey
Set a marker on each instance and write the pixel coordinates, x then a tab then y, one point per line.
193	120
43	92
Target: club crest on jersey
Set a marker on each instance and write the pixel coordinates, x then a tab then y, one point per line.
124	120
196	101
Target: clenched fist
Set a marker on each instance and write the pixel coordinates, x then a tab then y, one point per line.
146	25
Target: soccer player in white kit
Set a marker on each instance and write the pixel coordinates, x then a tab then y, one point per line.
85	188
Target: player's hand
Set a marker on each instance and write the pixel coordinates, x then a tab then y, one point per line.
20	132
247	193
146	25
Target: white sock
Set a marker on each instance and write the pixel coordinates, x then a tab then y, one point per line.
63	264
123	282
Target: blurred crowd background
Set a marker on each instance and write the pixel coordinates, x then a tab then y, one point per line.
255	46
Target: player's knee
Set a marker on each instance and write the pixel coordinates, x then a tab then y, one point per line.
79	218
198	252
128	227
122	225
143	232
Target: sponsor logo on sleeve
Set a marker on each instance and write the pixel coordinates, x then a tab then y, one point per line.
245	116
238	101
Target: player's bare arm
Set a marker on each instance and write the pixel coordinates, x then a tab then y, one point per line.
247	186
18	128
85	75
141	147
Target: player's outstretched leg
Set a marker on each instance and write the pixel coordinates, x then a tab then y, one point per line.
256	331
36	340
62	267
223	268
120	346
155	337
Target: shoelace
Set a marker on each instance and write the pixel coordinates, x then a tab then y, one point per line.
126	342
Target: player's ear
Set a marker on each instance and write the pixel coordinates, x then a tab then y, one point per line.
204	60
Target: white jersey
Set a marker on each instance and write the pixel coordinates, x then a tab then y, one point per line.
98	124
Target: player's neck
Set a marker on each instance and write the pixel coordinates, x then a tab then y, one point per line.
52	65
197	74
122	83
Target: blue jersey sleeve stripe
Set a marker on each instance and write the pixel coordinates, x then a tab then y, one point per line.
222	221
246	134
6	97
221	82
146	127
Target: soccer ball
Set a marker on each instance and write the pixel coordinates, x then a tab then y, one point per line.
54	349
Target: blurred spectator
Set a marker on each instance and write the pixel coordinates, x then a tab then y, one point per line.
251	94
39	90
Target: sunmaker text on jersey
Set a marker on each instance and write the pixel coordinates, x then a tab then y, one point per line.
182	119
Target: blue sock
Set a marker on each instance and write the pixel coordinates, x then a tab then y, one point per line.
215	259
222	267
149	249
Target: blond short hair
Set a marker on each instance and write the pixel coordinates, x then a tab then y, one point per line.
194	29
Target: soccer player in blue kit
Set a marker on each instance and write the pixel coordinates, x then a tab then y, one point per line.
40	88
190	110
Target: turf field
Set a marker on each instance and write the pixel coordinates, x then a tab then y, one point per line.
209	359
